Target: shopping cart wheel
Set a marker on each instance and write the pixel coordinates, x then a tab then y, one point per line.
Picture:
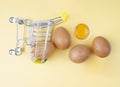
12	52
18	51
11	19
20	22
43	61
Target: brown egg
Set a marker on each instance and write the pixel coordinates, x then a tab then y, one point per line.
101	47
39	48
79	53
61	38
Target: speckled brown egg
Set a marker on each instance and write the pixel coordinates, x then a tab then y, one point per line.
61	38
39	49
79	53
101	46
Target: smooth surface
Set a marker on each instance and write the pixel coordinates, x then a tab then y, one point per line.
102	16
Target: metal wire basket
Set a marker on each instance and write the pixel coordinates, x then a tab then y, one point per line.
40	32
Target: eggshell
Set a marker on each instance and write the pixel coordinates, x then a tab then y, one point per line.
101	46
61	38
39	49
79	53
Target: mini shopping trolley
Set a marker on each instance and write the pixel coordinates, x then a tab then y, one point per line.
38	32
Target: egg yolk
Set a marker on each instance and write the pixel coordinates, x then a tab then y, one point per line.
81	31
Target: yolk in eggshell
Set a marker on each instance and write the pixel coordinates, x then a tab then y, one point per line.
81	31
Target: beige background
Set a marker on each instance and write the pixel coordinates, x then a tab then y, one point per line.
102	16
